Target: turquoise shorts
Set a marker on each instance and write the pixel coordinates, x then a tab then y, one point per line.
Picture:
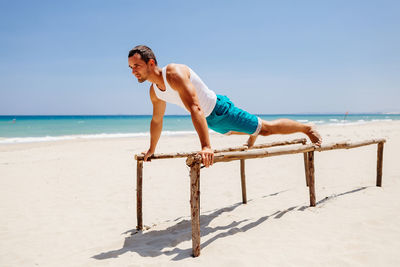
225	117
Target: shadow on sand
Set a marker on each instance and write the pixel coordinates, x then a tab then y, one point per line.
154	243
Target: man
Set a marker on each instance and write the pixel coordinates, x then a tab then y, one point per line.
178	84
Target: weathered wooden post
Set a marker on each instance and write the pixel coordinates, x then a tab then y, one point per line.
194	163
243	179
379	164
139	183
304	141
311	171
305	155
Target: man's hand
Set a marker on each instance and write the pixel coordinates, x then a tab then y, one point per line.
207	154
148	154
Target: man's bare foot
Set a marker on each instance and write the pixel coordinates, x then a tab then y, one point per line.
251	141
314	136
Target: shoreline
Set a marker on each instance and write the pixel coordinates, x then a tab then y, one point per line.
101	136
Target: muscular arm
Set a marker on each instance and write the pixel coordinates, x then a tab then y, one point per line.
156	122
178	76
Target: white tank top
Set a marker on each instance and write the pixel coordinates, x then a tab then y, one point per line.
207	98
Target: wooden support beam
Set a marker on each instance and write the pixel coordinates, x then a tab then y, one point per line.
311	180
194	163
379	165
305	155
243	180
261	153
269	152
239	148
348	145
139	183
265	145
305	163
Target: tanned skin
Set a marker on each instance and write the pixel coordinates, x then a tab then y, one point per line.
178	77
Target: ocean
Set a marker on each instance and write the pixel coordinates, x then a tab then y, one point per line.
22	129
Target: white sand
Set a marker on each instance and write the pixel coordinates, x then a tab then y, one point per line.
73	203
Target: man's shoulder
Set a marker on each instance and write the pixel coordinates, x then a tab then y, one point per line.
176	67
177	71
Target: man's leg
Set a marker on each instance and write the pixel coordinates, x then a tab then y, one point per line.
242	122
286	126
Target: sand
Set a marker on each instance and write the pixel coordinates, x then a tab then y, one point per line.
73	203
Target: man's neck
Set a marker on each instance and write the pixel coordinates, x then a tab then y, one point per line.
156	77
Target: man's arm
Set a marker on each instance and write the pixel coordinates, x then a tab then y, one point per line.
178	76
156	122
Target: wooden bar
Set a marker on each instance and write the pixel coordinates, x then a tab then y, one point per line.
239	148
194	163
311	179
265	145
139	183
342	145
269	152
261	153
379	165
305	155
348	145
243	179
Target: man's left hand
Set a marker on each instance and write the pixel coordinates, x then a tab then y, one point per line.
207	155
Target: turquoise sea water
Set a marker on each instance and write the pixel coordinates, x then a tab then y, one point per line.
15	129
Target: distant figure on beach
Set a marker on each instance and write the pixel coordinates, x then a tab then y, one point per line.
180	85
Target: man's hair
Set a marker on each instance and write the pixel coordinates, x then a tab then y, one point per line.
145	53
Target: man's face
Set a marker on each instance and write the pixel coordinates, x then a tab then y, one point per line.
139	67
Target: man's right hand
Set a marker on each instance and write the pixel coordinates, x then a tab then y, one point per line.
148	154
207	155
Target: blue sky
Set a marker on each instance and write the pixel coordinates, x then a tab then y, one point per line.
269	57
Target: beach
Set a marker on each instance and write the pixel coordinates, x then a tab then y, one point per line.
73	203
